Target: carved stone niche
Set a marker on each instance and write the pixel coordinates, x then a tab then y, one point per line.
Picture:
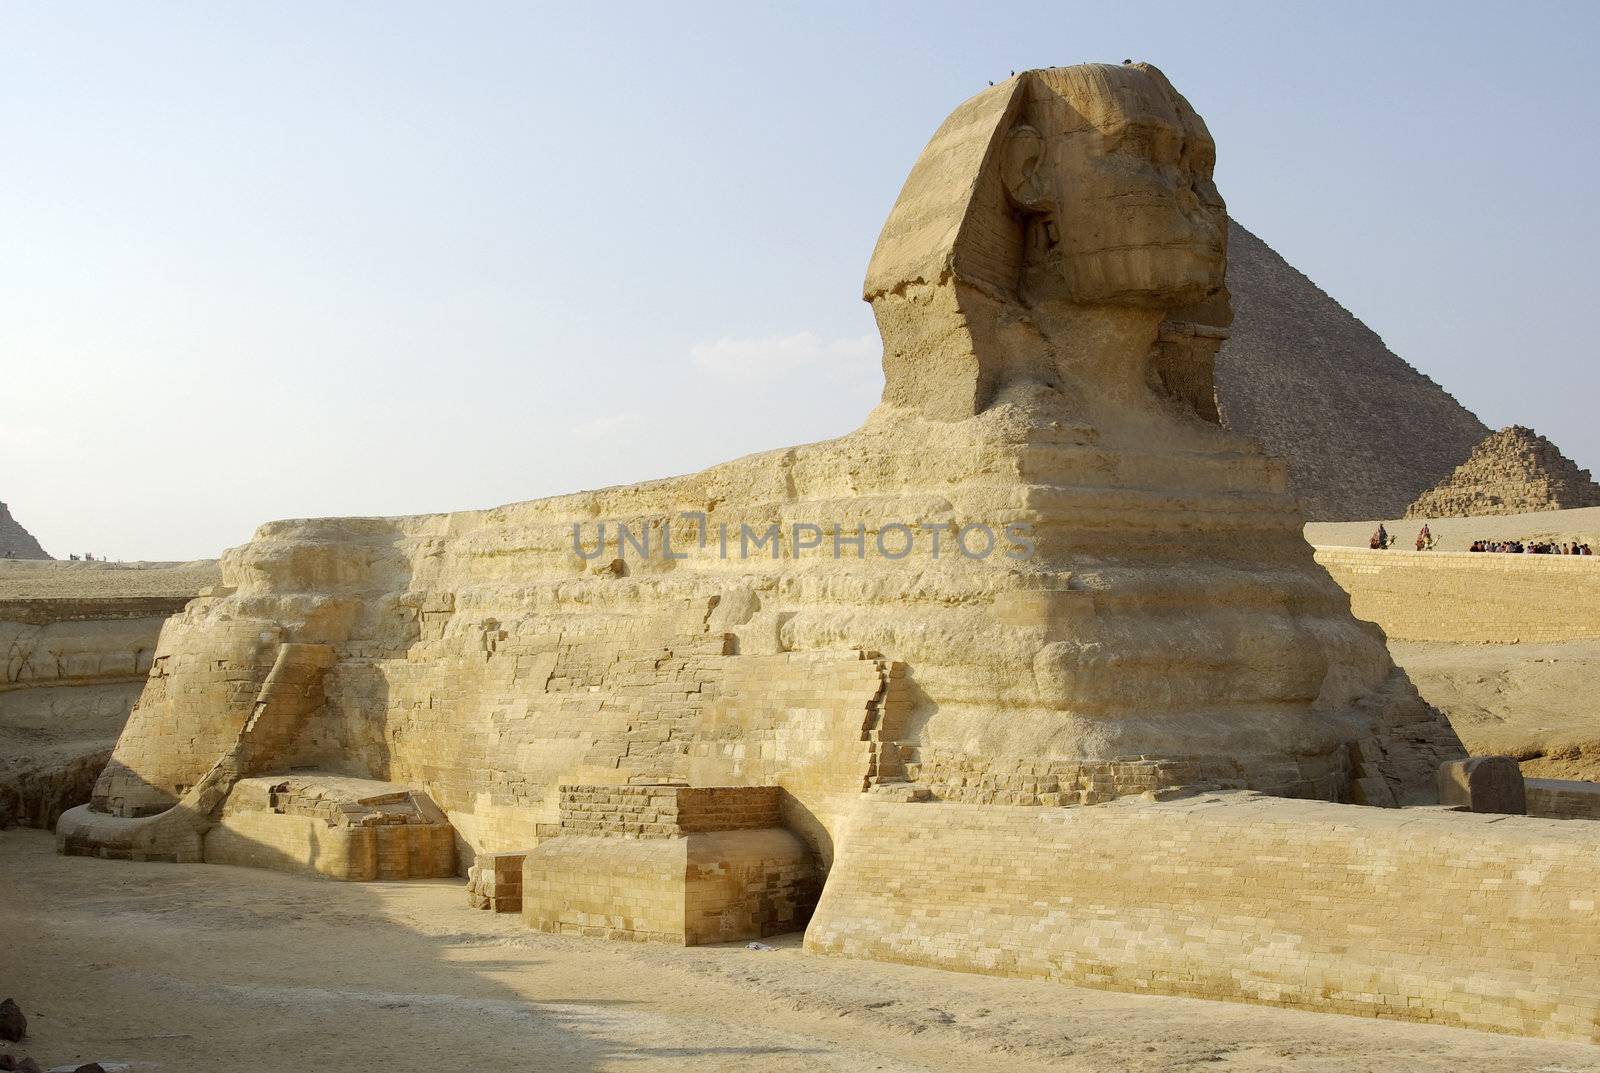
1184	364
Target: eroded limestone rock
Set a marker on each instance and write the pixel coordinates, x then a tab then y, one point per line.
1049	291
1484	784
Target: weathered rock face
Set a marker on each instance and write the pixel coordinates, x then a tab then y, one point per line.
76	640
1363	432
1105	592
15	541
1513	471
37	794
70	671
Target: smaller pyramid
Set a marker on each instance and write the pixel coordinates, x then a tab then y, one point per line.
15	541
1512	471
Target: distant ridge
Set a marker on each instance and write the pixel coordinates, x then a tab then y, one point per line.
15	541
1363	432
1514	471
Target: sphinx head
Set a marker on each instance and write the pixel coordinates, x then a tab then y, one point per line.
1086	187
1108	172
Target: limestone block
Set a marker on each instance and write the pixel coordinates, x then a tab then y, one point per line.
494	882
707	887
1483	784
676	864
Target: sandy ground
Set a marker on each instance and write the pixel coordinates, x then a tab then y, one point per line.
1538	703
41	579
1457	534
207	967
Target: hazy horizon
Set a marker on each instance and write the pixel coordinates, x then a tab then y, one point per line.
385	259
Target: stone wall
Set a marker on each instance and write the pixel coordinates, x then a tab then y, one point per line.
290	843
1563	799
1451	918
46	643
1467	597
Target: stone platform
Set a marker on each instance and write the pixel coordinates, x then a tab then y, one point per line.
342	828
329	825
674	864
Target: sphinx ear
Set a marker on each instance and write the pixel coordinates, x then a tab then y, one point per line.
1022	169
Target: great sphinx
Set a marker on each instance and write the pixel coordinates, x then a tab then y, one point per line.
1049	289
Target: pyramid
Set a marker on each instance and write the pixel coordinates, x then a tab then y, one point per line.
1513	471
15	541
1363	432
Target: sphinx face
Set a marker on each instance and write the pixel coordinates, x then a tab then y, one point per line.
1126	167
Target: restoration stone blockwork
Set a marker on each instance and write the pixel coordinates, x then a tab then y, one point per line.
670	864
494	882
1563	799
353	829
1470	597
1426	915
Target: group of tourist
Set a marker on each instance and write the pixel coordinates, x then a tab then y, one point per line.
1382	538
1542	547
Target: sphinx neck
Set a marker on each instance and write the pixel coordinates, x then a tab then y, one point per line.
1101	352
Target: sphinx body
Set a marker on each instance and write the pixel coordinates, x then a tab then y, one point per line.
1049	291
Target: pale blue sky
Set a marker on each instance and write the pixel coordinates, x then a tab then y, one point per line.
278	260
